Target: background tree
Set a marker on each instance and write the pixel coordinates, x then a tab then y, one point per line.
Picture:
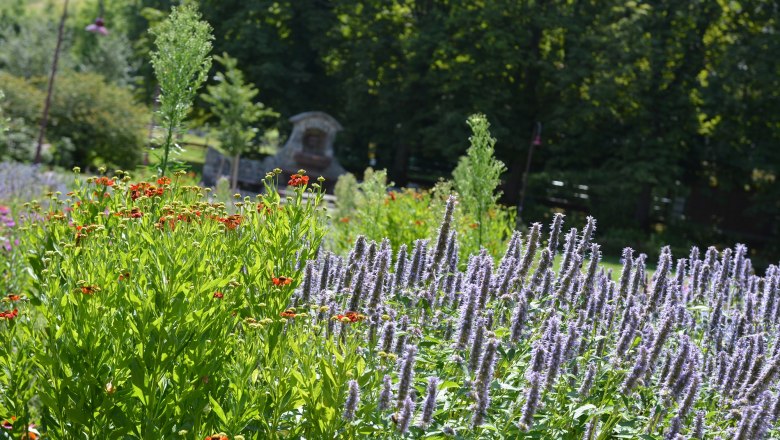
230	101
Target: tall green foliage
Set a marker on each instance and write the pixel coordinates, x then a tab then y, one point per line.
181	63
478	174
231	102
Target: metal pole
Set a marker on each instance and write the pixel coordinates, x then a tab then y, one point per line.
47	103
536	140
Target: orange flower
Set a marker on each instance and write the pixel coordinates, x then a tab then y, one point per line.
231	222
219	436
344	220
124	276
219	295
350	317
9	315
164	181
89	289
281	281
288	314
298	180
13	297
105	181
474	225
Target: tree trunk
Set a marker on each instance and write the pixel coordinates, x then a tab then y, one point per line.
234	172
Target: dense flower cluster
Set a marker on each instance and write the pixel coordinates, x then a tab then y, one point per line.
298	180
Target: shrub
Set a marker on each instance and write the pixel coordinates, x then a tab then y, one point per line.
100	120
144	311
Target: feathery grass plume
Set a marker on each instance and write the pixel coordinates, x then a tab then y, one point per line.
698	426
587	381
467	313
406	373
518	319
532	395
530	251
387	393
763	381
555	232
404	417
640	367
476	344
541	269
444	232
350	406
429	404
679	361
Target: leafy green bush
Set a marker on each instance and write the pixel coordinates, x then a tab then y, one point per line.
148	312
100	121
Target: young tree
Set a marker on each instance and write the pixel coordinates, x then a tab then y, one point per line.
231	103
181	63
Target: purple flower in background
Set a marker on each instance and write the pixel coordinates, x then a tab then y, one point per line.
352	400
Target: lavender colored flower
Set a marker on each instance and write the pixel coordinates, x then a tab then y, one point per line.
690	396
640	367
698	426
679	361
587	381
530	251
545	262
532	395
350	406
476	344
625	274
429	405
444	232
674	428
555	232
763	381
518	319
467	313
568	252
404	417
388	335
406	373
387	393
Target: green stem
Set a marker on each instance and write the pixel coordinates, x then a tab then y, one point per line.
167	145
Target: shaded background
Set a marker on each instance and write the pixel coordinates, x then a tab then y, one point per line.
660	118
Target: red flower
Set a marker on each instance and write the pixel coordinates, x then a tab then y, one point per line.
9	315
231	222
90	289
105	181
298	180
288	314
350	317
163	181
281	281
13	297
219	295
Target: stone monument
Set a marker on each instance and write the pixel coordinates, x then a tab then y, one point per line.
309	147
